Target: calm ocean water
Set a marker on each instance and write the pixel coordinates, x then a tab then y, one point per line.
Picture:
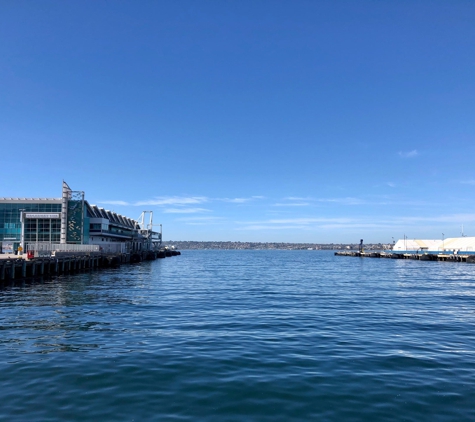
243	336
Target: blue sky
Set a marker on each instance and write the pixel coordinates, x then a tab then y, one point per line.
293	121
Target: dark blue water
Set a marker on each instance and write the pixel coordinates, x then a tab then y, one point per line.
243	336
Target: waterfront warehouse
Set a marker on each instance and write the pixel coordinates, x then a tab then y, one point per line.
462	244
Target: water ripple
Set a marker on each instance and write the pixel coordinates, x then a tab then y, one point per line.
243	335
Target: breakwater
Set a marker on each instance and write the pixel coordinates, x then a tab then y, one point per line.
416	256
18	268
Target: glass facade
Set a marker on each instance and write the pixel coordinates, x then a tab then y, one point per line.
36	230
10	223
42	230
44	217
75	221
24	221
85	230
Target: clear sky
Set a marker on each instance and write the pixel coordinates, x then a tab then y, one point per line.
252	120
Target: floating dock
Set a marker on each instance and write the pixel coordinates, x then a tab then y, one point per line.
469	258
20	268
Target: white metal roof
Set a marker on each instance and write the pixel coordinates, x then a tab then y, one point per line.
462	244
416	244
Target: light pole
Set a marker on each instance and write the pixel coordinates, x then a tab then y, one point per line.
443	244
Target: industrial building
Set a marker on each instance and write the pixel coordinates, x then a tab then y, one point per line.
71	223
462	244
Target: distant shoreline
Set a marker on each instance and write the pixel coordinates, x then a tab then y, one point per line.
182	245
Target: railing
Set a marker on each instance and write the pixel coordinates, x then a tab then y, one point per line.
48	248
112	248
61	247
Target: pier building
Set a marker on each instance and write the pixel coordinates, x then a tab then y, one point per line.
464	244
52	223
416	245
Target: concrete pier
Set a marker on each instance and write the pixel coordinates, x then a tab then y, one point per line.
19	268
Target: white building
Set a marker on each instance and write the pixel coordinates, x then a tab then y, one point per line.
451	244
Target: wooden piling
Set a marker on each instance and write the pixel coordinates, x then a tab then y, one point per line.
468	258
43	266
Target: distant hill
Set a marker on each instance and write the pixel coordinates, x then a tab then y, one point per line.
181	245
